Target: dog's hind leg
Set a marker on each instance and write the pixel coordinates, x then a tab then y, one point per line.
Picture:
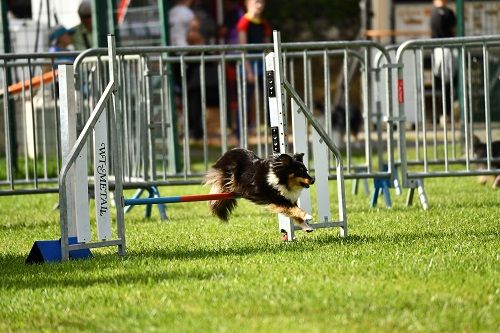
496	183
482	179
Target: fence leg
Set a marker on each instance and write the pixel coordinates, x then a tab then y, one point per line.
422	195
387	196
355	186
397	187
374	198
149	207
395	181
364	181
366	187
419	185
409	198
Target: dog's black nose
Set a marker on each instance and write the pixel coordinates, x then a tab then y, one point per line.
312	180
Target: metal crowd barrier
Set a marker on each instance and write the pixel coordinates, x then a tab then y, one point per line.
157	85
29	124
159	148
436	79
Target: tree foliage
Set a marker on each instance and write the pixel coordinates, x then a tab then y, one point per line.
300	20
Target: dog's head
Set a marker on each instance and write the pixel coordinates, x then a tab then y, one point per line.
291	171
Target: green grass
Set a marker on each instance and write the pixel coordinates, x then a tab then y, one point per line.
400	270
28	167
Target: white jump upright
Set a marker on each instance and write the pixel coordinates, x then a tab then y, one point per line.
73	178
301	117
67	118
278	122
77	206
101	171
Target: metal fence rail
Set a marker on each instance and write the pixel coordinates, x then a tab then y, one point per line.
184	106
158	85
29	146
233	112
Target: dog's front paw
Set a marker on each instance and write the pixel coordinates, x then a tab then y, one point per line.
306	227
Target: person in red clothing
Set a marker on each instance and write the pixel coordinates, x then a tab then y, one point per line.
233	11
253	29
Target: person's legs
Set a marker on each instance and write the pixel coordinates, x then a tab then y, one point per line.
232	96
194	114
446	93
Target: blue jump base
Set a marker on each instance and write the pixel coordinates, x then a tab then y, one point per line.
44	251
382	186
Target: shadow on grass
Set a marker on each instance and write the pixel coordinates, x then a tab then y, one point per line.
109	271
113	270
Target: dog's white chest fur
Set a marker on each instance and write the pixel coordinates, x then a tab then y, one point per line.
290	194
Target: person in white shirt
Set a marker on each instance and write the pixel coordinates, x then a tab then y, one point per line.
184	31
181	19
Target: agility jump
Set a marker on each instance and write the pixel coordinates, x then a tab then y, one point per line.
76	235
277	85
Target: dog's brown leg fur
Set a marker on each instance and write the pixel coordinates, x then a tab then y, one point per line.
294	212
496	183
483	179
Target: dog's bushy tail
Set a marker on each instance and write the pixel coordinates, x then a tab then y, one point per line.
220	183
223	208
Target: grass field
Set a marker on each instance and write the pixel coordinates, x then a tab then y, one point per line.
400	270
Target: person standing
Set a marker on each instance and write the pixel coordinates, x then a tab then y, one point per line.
185	30
182	23
443	25
82	37
253	29
232	14
208	28
443	21
60	40
228	33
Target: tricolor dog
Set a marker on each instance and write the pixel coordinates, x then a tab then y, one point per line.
274	182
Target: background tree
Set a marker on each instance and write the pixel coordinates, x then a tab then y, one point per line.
302	20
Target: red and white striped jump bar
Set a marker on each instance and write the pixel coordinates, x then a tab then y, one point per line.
180	198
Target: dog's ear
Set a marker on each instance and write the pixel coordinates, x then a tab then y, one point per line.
299	157
284	159
475	140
